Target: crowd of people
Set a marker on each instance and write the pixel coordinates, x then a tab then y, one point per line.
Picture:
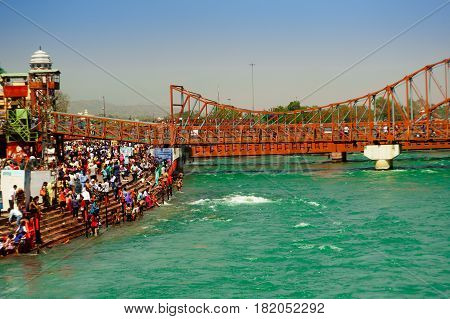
27	218
91	176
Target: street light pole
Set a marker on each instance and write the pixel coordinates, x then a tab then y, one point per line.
104	107
218	94
253	88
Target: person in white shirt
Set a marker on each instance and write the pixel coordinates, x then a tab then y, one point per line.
93	170
15	214
105	187
12	197
71	179
86	195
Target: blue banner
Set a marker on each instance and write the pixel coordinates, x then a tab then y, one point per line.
163	154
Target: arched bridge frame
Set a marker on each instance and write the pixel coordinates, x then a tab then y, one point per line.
412	112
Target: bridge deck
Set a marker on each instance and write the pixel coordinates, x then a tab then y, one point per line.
412	112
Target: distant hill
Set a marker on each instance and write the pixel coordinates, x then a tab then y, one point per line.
95	107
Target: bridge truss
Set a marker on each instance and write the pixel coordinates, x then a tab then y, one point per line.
412	112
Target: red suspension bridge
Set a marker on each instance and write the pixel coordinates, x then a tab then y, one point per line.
412	112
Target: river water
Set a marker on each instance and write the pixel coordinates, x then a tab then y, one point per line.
266	227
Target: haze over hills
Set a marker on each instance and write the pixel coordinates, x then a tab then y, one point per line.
95	107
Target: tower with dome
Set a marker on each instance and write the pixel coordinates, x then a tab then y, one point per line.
40	60
27	101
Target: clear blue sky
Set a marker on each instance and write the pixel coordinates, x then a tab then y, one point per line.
296	46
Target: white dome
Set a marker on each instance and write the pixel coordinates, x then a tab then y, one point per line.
40	59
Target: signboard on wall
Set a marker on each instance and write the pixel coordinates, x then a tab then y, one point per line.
8	179
127	152
163	153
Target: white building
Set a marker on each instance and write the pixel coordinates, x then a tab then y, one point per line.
40	60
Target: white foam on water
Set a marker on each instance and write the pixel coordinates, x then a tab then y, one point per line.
231	200
335	248
251	258
332	247
430	171
200	201
306	246
167	204
228	220
301	225
313	203
242	199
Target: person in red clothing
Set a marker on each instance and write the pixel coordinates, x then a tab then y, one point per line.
30	235
94	225
62	201
35	211
83	208
155	200
37	231
69	207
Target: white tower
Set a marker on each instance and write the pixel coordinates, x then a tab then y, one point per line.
40	60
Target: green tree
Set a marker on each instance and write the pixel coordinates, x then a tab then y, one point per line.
2	70
279	108
61	101
294	105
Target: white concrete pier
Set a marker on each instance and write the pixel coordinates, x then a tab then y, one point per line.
338	156
382	154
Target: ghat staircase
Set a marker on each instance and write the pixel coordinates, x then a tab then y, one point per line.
59	228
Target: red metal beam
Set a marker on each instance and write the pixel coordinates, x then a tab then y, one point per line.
215	129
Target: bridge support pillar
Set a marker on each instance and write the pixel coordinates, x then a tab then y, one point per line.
59	148
382	154
338	156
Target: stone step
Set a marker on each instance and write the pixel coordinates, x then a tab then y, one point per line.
51	216
73	229
68	235
57	228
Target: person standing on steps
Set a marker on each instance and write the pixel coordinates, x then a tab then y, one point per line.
12	197
44	194
36	215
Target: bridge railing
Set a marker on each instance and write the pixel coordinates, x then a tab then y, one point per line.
388	114
109	129
413	109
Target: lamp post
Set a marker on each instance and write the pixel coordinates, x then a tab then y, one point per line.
253	88
218	94
104	107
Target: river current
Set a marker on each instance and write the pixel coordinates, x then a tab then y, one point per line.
266	227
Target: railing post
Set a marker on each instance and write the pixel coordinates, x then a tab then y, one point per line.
106	209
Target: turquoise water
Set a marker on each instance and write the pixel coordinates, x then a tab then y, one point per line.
267	227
